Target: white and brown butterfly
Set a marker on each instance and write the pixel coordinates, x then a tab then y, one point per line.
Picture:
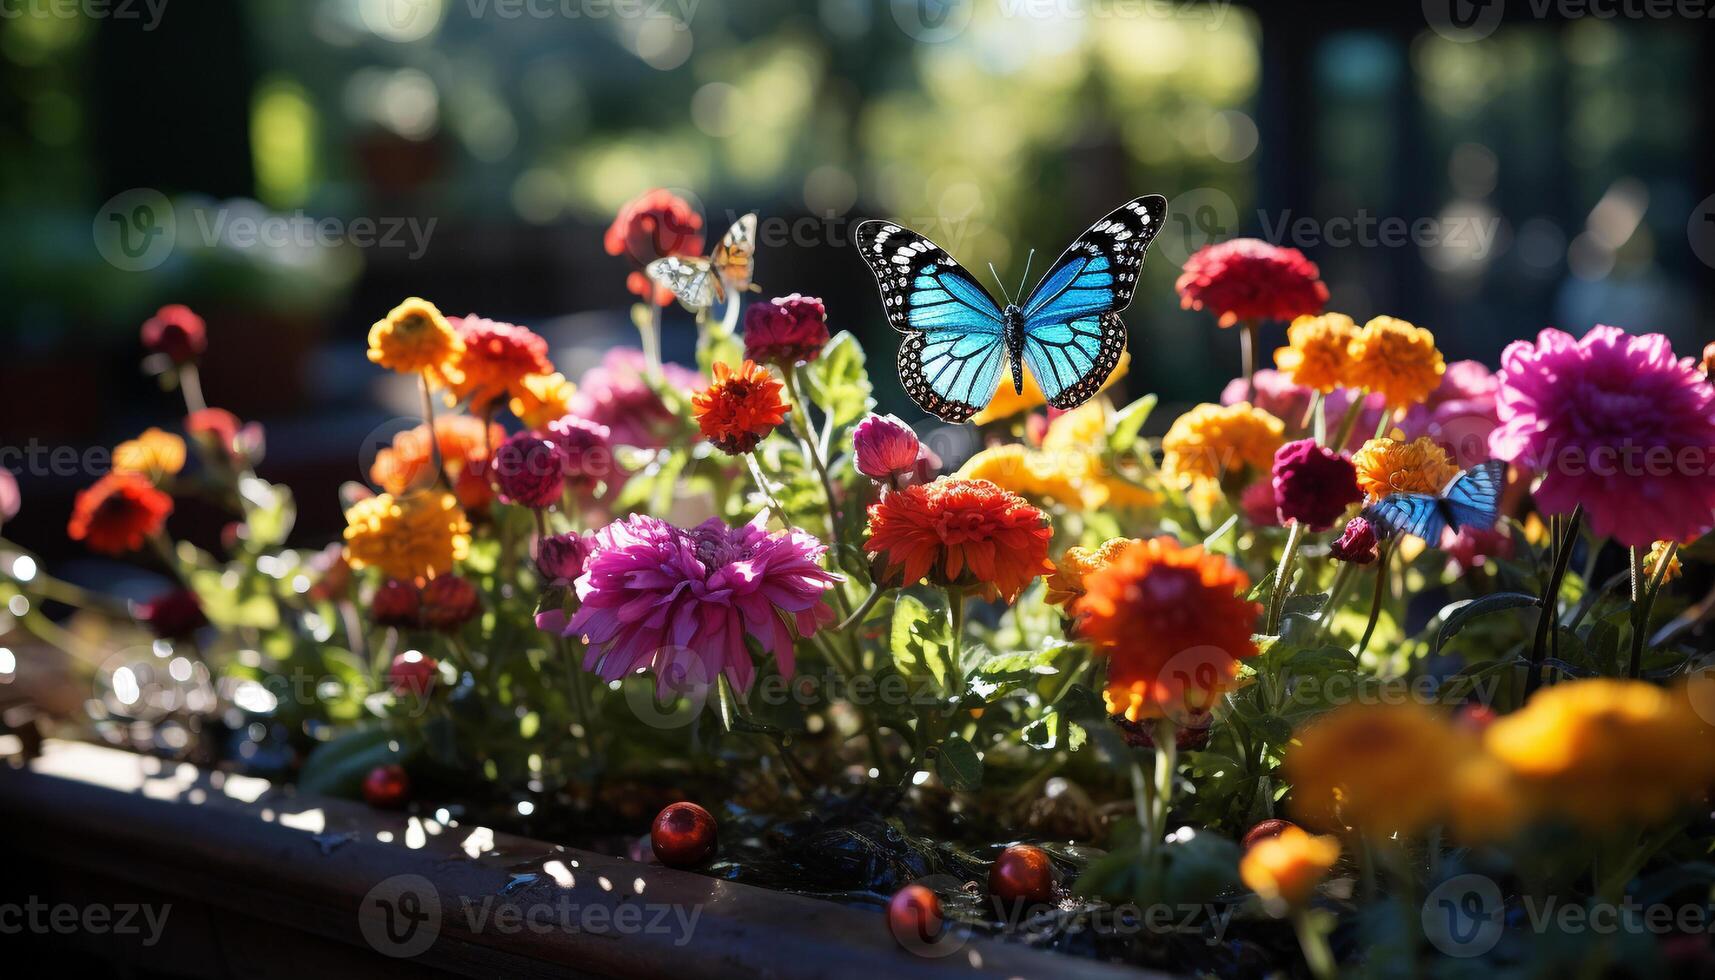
700	283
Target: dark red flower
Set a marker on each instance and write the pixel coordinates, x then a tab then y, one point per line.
1313	485
176	332
1249	279
396	603
650	227
118	513
785	330
412	673
173	614
1357	544
449	602
526	469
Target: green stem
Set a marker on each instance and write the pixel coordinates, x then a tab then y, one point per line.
1550	603
1283	577
1643	605
1349	421
862	610
1336	593
1317	955
956	622
434	443
761	479
800	422
1380	593
650	330
1247	356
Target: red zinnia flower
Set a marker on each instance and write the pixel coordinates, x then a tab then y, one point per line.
785	330
118	513
1249	279
1173	623
449	602
175	614
653	226
176	332
495	359
217	425
740	408
396	603
1313	485
961	532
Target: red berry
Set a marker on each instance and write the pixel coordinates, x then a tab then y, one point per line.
1022	872
914	915
1263	831
413	673
387	787
683	835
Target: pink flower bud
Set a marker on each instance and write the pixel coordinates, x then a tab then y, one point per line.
887	448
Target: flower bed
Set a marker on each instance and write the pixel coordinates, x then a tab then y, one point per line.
1358	665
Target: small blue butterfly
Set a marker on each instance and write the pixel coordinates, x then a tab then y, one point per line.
1471	499
1068	331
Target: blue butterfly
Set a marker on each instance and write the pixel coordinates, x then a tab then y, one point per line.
1471	499
1068	331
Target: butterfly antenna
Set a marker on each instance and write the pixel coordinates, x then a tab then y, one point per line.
1002	285
1022	282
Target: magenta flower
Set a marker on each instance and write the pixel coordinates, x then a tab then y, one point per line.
1258	504
665	599
1357	544
1471	548
526	470
1459	414
785	330
586	452
616	395
1277	395
887	448
560	557
1313	485
1616	423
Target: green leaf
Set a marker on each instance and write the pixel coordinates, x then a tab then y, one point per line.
919	641
1123	429
957	763
839	384
269	514
337	768
1456	615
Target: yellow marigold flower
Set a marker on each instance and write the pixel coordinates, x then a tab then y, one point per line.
154	454
414	339
1486	804
1607	753
1117	493
1213	440
1397	359
415	536
542	398
1008	403
1029	473
1084	427
1318	354
1286	868
1066	582
1389	466
1377	768
1653	559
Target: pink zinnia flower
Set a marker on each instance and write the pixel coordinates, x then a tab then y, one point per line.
1471	548
1249	279
1313	485
1459	415
785	330
1614	422
616	395
1279	396
658	597
586	452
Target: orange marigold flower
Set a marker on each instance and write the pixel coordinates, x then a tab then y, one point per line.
415	536
1172	621
118	513
740	408
542	398
495	360
409	463
1318	354
416	339
1396	359
1211	441
1287	867
1389	466
1377	768
961	533
154	454
1656	552
1067	581
1007	403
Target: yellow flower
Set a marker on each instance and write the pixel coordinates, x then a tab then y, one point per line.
1212	440
1029	473
1319	352
1397	359
1066	582
1654	557
1607	753
1285	869
415	338
1377	768
1102	489
542	398
415	536
1486	804
154	454
1084	427
1388	466
1007	403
